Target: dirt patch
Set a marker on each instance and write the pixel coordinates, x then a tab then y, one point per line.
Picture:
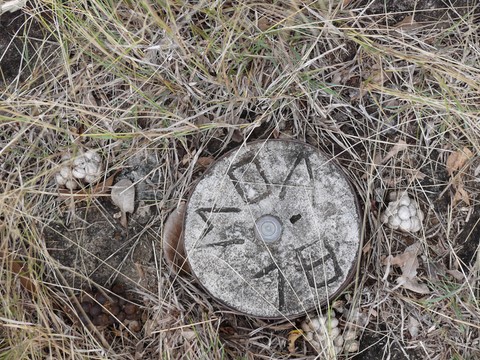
93	246
424	11
469	240
21	35
379	347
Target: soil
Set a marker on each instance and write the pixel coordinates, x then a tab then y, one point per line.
469	239
20	36
375	347
436	12
93	246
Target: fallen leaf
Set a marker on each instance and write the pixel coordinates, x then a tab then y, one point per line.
460	193
408	263
457	159
264	24
413	327
413	285
19	268
367	248
89	100
205	161
237	136
173	248
189	335
408	23
415	174
398	147
378	76
292	337
123	196
457	275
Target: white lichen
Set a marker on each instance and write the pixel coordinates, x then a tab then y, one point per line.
86	168
403	213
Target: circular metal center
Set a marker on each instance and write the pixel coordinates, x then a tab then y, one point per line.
268	228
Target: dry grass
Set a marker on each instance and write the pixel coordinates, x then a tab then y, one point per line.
177	80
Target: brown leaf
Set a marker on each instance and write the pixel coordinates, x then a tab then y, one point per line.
292	337
237	136
415	174
19	268
264	24
408	263
173	247
413	326
398	147
460	194
408	23
457	275
413	285
457	159
205	161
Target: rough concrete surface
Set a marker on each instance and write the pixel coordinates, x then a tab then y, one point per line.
318	212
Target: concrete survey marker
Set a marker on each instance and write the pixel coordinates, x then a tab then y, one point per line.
272	229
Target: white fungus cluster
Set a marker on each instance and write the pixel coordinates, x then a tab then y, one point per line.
324	335
403	214
85	168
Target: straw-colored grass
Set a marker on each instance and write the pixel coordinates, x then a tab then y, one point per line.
179	80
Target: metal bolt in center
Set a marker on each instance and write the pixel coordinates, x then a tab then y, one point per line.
268	228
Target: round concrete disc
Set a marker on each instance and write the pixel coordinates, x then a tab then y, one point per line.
272	229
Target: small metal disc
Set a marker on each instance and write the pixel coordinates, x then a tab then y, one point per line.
272	229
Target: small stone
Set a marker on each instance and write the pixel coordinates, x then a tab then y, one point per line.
121	316
404	213
66	172
91	169
352	346
306	327
315	324
334	332
95	310
71	184
333	323
349	335
135	326
404	200
79	173
338	341
90	179
130	309
60	179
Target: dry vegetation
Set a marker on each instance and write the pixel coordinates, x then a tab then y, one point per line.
180	80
